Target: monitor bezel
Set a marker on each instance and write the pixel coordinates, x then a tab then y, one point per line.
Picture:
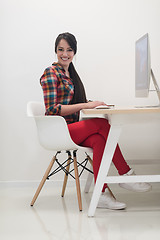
142	92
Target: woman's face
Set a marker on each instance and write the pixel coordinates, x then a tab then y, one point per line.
65	54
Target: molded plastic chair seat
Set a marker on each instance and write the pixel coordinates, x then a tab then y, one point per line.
54	135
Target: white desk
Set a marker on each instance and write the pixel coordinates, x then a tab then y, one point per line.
118	117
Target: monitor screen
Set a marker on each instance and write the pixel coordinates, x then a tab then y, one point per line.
142	67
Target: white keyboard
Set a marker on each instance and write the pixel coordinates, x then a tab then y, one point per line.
104	107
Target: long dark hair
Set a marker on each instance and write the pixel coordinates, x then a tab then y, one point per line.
79	91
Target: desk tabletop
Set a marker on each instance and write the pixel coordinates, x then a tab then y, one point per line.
122	110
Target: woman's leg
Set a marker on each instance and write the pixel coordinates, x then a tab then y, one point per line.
93	133
97	143
80	131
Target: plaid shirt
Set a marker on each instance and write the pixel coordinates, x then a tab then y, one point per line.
58	89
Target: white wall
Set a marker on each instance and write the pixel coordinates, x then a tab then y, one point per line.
106	32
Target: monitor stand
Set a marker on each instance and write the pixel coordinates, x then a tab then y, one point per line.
157	89
156	86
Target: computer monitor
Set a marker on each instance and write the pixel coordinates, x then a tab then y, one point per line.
142	67
143	71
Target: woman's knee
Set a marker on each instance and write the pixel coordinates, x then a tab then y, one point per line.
103	126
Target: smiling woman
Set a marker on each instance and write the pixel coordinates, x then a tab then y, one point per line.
64	95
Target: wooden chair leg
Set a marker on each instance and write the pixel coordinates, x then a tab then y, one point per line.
65	177
77	181
90	160
43	180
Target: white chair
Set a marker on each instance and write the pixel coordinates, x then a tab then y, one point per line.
53	135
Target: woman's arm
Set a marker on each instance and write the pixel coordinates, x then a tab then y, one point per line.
49	84
69	109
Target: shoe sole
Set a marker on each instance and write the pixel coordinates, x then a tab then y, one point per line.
114	208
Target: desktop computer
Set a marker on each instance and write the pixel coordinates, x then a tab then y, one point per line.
143	70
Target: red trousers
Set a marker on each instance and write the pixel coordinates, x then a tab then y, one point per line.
93	133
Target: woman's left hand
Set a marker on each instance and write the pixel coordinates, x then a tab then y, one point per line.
94	104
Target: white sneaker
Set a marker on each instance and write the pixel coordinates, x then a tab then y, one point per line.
106	200
136	187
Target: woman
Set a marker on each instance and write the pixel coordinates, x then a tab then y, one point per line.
64	95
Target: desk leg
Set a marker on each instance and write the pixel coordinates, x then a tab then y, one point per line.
109	150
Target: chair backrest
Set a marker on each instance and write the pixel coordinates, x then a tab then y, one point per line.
35	109
52	131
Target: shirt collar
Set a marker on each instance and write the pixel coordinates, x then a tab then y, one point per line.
58	66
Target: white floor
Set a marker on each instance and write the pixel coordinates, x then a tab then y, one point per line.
54	217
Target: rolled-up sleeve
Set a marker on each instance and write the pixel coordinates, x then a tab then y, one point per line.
49	83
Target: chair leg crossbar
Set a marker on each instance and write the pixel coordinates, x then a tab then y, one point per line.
65	167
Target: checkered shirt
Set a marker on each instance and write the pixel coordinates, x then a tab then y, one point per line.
58	89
